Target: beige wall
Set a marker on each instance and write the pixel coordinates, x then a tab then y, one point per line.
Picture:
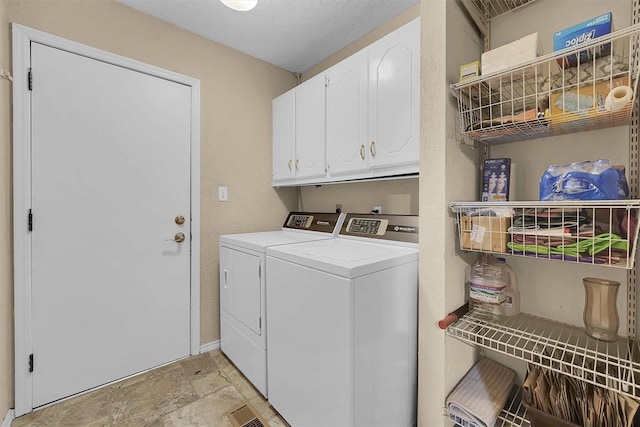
236	93
6	248
395	196
448	171
398	196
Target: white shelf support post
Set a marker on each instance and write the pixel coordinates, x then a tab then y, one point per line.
633	177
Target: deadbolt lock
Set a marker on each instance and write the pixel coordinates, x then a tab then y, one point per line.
179	220
179	237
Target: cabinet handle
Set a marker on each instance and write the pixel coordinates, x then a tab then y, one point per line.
289	164
362	151
297	162
372	148
226	276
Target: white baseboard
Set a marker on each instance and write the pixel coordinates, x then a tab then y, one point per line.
208	347
8	418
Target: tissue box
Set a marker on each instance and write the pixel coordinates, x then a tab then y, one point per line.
582	33
511	54
563	106
484	233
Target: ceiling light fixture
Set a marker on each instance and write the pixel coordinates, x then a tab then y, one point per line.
241	5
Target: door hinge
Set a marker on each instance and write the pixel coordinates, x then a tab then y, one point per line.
30	79
31	362
260	323
30	221
259	271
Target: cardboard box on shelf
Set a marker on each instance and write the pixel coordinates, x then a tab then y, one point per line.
584	102
484	233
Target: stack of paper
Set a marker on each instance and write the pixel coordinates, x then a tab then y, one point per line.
575	401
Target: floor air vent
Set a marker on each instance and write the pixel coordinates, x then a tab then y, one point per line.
246	416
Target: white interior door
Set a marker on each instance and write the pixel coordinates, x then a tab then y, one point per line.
110	172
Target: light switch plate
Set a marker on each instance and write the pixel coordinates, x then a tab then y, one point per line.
223	194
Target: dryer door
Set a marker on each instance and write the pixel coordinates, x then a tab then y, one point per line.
240	291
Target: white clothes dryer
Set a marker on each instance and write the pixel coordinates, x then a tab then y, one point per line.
342	325
243	271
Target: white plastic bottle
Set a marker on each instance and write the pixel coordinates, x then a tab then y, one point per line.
493	181
487	281
511	292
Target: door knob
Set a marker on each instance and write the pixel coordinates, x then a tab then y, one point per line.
179	237
179	220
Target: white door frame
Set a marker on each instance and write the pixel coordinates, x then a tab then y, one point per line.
22	38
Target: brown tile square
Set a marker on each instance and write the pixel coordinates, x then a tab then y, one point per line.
198	366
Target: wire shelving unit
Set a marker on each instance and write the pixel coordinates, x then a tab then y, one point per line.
603	233
562	92
556	346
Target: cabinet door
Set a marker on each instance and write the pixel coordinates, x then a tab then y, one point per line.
394	72
347	105
310	129
240	290
284	137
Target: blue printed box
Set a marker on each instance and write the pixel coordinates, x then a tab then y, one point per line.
580	34
496	180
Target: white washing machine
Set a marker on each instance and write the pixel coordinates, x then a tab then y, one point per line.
342	325
243	272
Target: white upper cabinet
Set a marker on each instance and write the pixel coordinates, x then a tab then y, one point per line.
299	151
310	129
394	87
357	120
284	133
347	109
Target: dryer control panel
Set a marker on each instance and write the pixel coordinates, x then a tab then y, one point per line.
314	221
299	221
401	228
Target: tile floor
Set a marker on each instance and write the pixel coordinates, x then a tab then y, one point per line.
197	391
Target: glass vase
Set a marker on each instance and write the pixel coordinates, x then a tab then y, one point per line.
600	310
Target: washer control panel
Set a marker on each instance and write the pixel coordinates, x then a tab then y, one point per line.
400	228
368	226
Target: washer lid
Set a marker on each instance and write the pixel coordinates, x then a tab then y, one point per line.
261	240
345	257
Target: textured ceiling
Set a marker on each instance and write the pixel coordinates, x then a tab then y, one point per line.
291	34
